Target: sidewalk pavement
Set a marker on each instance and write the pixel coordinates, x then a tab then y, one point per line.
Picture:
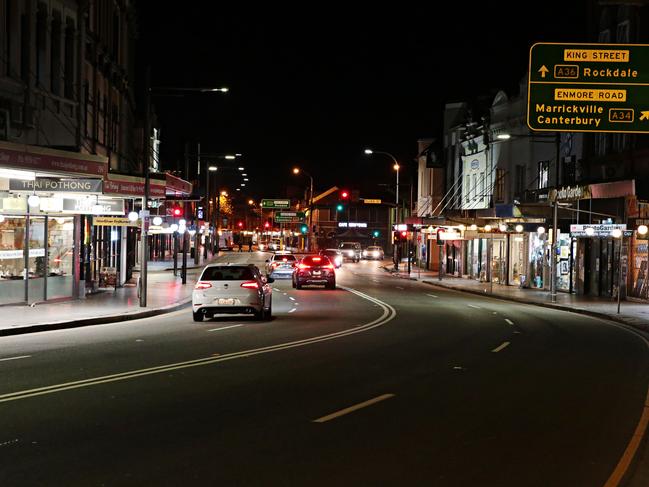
632	313
165	293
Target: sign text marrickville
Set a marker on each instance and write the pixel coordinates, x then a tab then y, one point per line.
588	88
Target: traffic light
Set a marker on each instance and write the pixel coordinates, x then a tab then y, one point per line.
340	207
376	234
396	238
344	194
404	235
177	211
240	224
440	233
266	224
304	229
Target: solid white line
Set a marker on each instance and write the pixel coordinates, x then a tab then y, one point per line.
473	306
432	295
389	313
499	348
351	409
14	358
509	321
398	287
224	328
292	309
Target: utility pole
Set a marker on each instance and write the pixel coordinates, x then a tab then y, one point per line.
144	213
555	218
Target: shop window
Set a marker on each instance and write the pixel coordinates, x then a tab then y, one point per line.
12	259
543	174
499	188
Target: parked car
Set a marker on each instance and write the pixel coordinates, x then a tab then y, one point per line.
350	250
280	264
232	289
373	252
335	256
314	269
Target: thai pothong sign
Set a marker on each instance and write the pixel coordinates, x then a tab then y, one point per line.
32	158
56	185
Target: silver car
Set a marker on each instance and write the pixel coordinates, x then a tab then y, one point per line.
280	265
373	252
232	289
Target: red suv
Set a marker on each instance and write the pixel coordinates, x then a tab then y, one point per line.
314	269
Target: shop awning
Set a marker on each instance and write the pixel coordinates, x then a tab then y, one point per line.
176	186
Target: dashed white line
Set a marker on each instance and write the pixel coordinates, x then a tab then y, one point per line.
291	298
398	287
509	321
292	310
224	327
500	347
351	409
14	358
473	306
432	295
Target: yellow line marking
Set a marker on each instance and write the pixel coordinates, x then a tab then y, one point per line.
351	409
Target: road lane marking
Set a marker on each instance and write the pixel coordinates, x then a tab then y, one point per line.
500	347
292	310
473	306
291	298
509	321
432	295
389	313
14	358
351	409
224	327
398	287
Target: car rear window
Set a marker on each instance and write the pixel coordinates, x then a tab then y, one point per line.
316	260
282	258
349	246
229	273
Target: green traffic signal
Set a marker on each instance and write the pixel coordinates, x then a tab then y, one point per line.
375	233
304	229
339	207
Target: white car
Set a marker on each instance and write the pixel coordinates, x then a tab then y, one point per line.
373	252
232	289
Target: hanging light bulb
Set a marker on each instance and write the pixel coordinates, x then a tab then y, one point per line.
33	200
519	228
157	220
132	216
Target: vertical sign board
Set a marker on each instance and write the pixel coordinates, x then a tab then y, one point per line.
588	88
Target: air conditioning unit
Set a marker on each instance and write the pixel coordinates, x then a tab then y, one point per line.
612	171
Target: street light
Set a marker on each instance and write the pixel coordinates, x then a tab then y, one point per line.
297	170
396	167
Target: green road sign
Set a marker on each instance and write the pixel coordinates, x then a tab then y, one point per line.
289	216
276	204
588	88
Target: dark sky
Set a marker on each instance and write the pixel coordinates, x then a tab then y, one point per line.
314	85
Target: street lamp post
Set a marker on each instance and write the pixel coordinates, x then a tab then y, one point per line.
297	170
396	167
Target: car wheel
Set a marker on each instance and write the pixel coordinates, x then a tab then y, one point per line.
331	285
198	316
293	284
298	285
269	312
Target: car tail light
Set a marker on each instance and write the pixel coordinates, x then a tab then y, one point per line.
303	266
202	285
316	259
274	264
328	266
250	285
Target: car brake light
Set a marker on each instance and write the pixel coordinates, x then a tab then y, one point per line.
329	266
250	285
202	285
316	259
304	266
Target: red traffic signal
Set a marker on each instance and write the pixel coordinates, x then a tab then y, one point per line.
177	211
344	194
266	225
240	224
404	234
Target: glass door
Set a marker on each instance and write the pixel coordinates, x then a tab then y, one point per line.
37	260
60	236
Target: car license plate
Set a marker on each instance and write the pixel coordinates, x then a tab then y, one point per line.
316	273
227	301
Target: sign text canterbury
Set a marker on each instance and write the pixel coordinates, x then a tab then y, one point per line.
55	185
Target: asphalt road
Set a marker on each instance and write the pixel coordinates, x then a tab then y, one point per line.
381	382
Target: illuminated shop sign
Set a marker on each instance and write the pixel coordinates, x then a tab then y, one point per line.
56	185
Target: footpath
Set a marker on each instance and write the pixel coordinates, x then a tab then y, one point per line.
165	293
632	313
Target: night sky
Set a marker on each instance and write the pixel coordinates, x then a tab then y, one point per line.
316	84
